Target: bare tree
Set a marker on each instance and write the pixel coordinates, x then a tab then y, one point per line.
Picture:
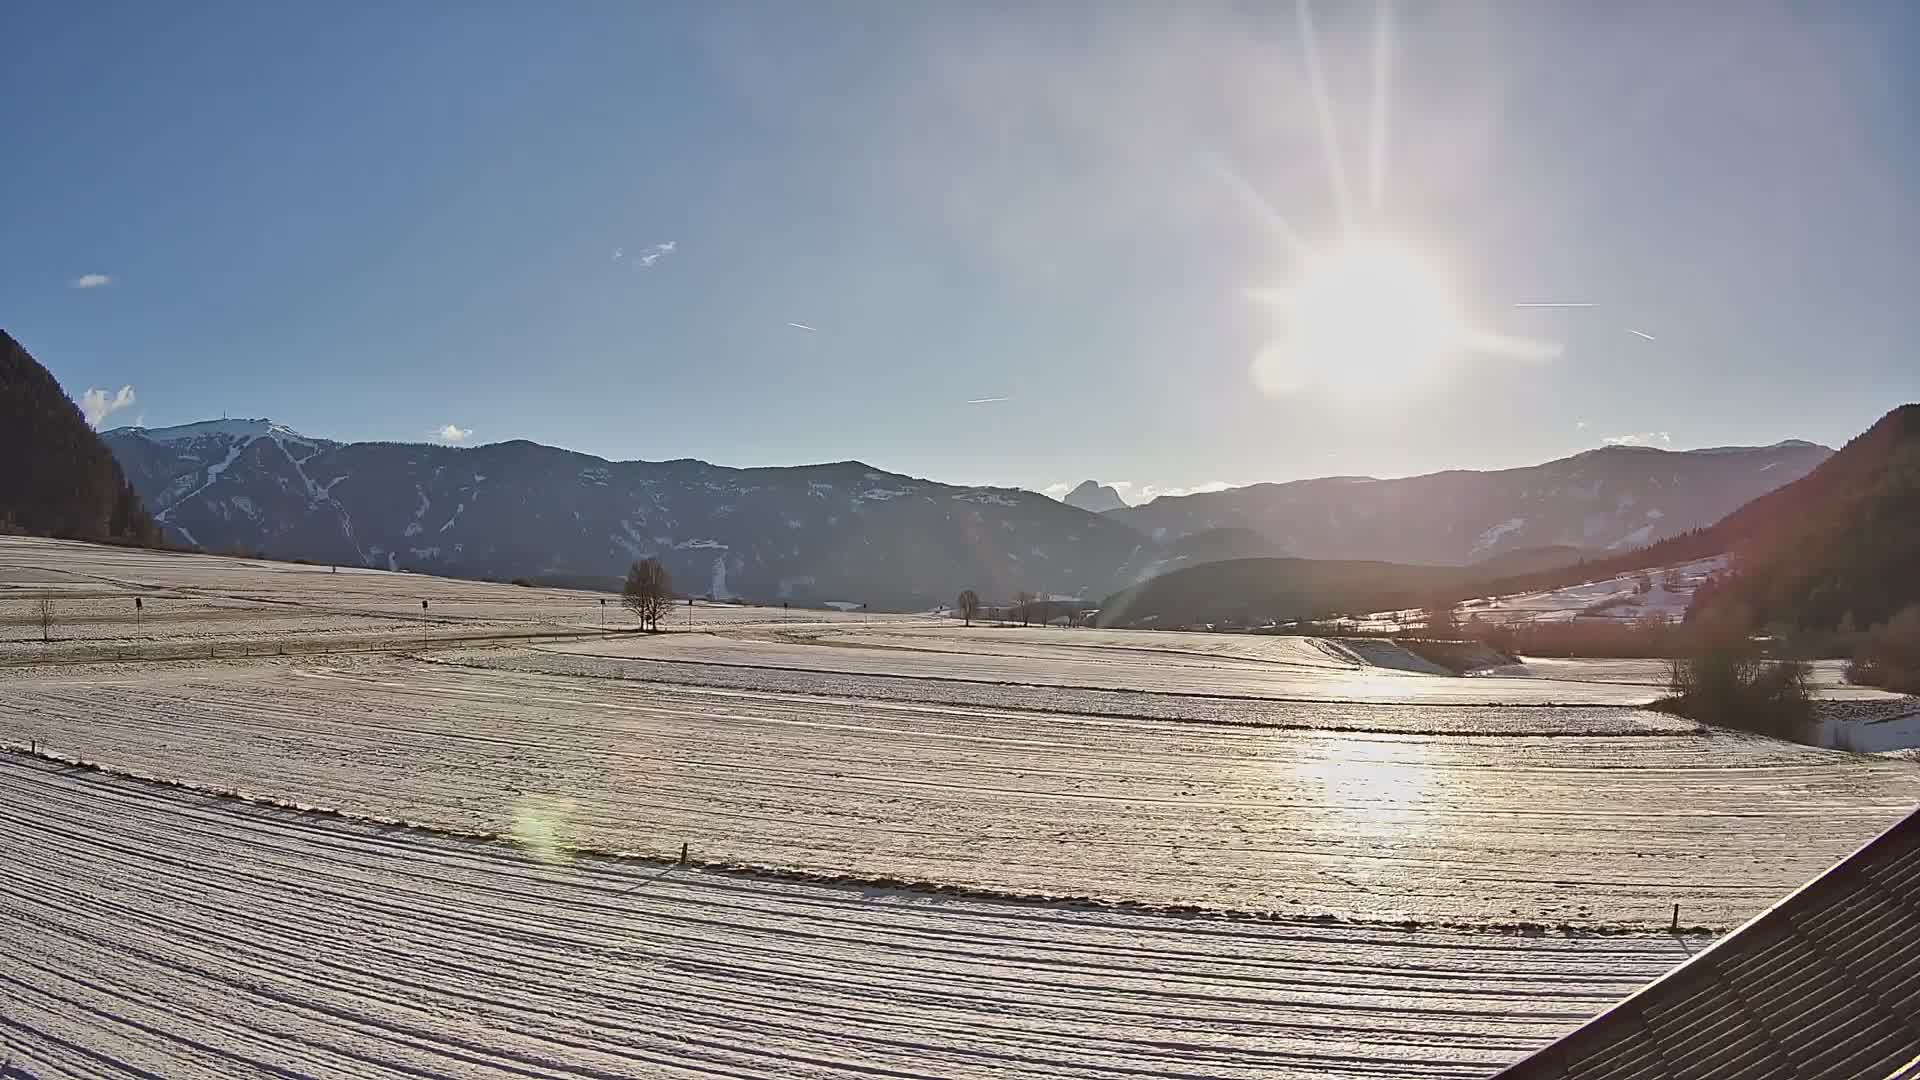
1440	621
647	592
968	605
1024	601
44	611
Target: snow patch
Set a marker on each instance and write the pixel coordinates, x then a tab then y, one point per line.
991	498
1492	536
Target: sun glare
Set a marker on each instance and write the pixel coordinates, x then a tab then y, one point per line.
1368	315
1372	305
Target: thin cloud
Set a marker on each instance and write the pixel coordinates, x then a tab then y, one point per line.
657	252
91	281
1644	438
1580	424
1639	333
452	434
804	326
986	400
98	404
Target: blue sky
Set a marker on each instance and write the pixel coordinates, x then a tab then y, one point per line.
374	221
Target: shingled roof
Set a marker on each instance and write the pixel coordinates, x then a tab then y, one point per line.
1826	983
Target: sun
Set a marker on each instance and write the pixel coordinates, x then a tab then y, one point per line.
1372	306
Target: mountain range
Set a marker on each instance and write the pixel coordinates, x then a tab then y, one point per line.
849	532
1609	499
841	532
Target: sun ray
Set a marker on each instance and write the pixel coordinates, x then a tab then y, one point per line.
1382	90
1323	105
1528	350
1262	208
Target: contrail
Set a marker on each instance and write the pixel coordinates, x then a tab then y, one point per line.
1324	106
1382	81
804	326
1639	333
986	400
1551	303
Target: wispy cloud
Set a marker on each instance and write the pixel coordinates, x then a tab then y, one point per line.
1580	424
648	255
91	281
1644	438
452	434
803	326
986	400
99	404
1639	333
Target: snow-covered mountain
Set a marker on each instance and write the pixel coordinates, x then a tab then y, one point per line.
847	532
811	534
1095	498
1608	499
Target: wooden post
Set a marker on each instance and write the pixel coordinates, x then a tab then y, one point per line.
1676	918
683	854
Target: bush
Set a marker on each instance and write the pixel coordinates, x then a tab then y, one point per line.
1728	683
1889	654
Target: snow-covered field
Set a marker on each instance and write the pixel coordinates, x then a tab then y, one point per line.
1290	862
248	606
1607	829
157	932
1612	598
938	656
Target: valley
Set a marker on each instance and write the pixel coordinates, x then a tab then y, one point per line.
1084	821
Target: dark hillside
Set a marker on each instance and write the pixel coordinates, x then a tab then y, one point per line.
56	477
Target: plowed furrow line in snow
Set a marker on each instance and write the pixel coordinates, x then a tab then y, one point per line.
1598	830
161	932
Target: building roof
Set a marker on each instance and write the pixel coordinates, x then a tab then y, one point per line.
1826	983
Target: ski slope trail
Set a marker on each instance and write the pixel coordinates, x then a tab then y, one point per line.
1594	830
152	931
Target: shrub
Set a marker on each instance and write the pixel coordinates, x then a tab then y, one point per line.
1727	683
1889	654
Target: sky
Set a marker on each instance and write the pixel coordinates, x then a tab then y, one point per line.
980	243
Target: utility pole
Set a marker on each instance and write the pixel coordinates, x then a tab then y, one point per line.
136	614
423	624
689	614
603	614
